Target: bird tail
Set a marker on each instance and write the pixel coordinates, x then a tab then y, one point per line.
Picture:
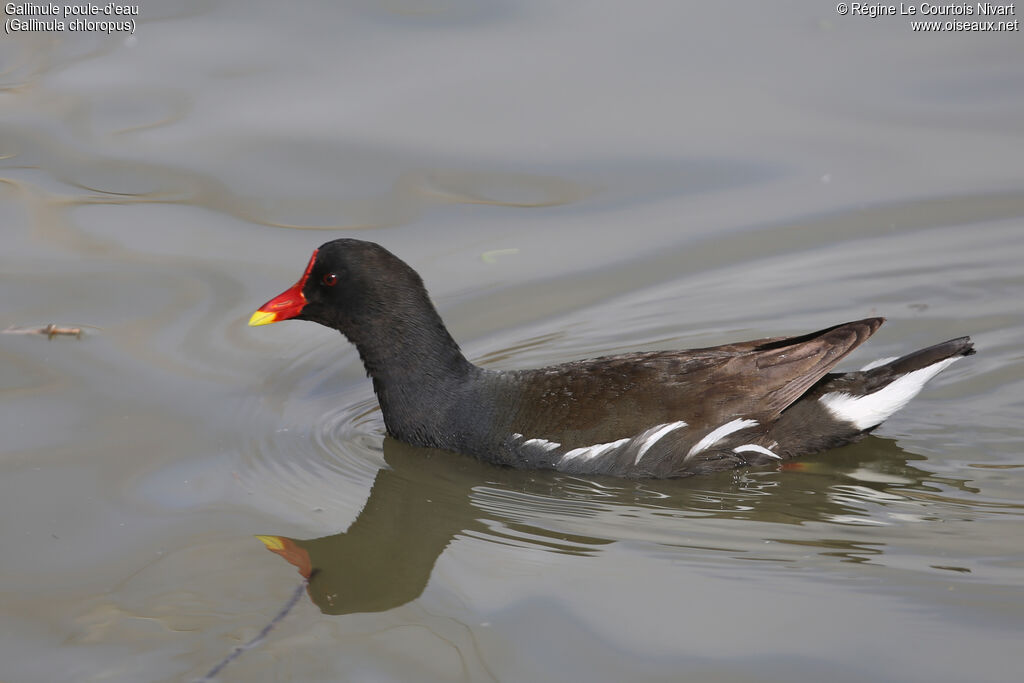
883	387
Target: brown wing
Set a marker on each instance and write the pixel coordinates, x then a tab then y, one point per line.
785	369
605	399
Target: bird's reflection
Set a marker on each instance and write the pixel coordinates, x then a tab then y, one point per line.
425	499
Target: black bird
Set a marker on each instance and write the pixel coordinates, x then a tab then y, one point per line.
653	414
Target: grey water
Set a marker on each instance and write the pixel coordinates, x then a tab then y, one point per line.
571	179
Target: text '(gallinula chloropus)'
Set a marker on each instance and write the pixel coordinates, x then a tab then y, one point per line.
652	414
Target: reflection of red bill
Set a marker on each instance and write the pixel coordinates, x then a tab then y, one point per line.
291	551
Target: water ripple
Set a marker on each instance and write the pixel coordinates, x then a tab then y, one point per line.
316	441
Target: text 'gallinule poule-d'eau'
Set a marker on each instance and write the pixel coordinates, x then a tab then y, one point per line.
653	414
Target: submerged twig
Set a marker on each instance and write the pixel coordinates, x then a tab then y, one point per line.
260	637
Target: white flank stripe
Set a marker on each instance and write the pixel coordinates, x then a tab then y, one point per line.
662	430
720	433
878	363
542	443
746	448
873	409
591	452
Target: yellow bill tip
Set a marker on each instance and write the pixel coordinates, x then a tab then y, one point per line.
262	318
272	542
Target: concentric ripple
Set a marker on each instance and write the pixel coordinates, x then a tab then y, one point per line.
316	434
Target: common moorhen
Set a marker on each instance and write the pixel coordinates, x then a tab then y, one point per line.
653	414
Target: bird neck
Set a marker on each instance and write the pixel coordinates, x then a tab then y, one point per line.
419	373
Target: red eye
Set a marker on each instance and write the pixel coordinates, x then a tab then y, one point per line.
330	279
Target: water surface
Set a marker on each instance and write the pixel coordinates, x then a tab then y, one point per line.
570	180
